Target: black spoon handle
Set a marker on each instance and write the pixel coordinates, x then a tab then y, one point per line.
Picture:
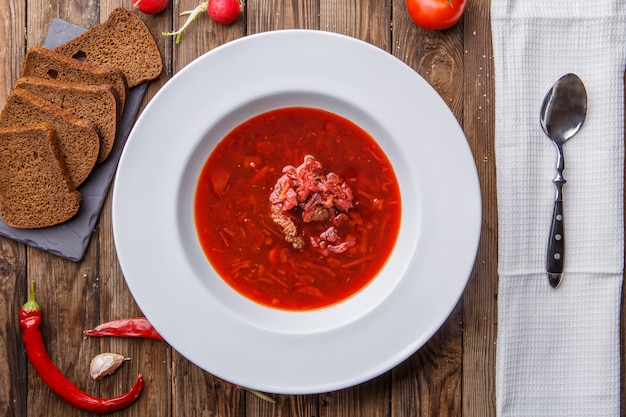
556	246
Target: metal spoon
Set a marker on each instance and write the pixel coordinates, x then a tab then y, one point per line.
562	114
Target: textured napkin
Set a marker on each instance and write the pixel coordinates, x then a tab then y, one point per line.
558	351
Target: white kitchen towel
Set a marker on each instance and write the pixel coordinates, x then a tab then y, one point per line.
558	351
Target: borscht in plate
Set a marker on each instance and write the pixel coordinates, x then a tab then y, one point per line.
297	208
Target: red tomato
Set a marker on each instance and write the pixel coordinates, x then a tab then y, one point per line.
435	14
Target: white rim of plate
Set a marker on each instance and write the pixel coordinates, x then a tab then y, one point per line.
296	352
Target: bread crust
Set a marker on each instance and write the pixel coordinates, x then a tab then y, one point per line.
35	187
122	41
62	117
78	139
45	63
96	103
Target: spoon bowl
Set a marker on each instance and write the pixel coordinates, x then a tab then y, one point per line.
564	108
562	114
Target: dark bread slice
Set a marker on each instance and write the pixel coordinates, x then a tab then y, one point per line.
91	102
35	187
122	41
41	62
78	138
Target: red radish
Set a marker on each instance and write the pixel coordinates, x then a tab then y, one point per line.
224	11
220	11
150	6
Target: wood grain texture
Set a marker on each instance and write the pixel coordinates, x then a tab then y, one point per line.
452	375
13	39
429	382
368	20
480	297
13	275
266	15
13	283
150	358
64	288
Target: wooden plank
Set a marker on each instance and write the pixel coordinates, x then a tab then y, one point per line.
13	280
12	37
13	361
429	383
286	405
266	15
64	289
480	297
436	55
369	399
194	391
201	36
150	358
368	20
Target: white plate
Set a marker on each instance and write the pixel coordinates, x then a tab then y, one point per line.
263	348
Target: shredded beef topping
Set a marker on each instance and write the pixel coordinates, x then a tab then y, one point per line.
318	196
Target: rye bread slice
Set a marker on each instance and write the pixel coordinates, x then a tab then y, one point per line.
91	102
122	41
41	62
78	138
35	187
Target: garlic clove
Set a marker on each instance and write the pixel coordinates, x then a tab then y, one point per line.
105	364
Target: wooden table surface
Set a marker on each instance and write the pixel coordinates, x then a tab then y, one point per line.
452	375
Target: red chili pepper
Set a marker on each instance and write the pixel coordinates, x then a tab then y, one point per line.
30	319
141	327
136	327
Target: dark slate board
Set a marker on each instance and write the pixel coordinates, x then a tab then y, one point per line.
70	239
